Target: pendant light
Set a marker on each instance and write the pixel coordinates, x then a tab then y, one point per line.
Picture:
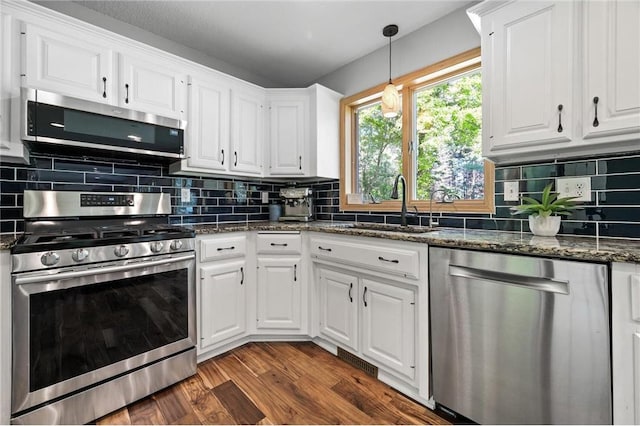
390	95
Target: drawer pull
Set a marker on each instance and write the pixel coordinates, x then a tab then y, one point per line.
364	297
279	244
324	249
382	259
226	248
350	289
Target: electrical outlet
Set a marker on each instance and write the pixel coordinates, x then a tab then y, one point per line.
579	187
265	197
185	195
511	190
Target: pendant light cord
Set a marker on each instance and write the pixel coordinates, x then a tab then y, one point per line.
389	60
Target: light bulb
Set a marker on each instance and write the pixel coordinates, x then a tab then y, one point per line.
390	101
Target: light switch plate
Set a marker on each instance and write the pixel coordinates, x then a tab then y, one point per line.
511	190
579	187
185	195
265	197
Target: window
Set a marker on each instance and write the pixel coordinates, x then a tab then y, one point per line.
435	142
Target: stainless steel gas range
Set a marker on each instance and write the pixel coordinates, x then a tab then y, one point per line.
103	304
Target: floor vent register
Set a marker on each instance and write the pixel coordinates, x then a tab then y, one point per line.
358	363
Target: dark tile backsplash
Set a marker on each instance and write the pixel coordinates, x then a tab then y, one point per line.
613	212
213	201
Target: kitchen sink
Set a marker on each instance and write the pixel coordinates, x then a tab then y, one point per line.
392	228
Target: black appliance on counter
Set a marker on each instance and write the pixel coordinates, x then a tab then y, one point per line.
103	303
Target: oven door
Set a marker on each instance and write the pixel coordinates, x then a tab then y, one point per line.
75	327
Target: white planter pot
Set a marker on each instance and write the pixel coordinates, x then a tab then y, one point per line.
544	226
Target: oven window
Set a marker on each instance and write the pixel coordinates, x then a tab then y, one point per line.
81	329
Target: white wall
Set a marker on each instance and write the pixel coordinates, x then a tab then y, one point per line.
87	15
450	35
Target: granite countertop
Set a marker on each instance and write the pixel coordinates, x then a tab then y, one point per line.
580	248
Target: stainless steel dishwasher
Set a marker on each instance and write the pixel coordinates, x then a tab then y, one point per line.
519	339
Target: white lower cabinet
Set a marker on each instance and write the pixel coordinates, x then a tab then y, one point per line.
222	301
388	324
625	342
376	312
279	293
221	295
338	307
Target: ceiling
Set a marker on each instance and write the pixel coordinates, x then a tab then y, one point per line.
291	43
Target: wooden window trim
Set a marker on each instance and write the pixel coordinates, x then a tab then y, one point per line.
408	85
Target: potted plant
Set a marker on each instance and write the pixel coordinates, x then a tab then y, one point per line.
545	215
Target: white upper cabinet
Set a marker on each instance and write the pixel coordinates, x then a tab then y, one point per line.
152	86
288	132
78	64
11	147
247	129
69	63
611	64
207	144
304	127
527	55
551	67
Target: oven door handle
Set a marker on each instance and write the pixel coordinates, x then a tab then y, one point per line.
100	270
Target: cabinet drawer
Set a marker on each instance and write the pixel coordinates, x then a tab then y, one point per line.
404	262
279	243
223	248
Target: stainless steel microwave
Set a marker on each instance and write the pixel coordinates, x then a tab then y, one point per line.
62	121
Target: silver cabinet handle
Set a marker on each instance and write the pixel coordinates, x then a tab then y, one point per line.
534	283
350	289
364	297
226	248
382	259
242	275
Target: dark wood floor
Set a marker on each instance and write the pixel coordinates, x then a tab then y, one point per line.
276	383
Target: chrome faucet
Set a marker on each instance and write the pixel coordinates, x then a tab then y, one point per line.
446	194
394	195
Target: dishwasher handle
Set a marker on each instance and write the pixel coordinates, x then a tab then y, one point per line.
534	283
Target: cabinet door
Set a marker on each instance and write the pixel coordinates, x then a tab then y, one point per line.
388	324
208	124
527	82
612	68
222	301
288	136
11	147
69	64
247	130
279	293
153	87
625	342
338	307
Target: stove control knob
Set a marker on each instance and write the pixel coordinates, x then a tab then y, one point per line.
176	245
121	251
50	258
80	255
156	246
